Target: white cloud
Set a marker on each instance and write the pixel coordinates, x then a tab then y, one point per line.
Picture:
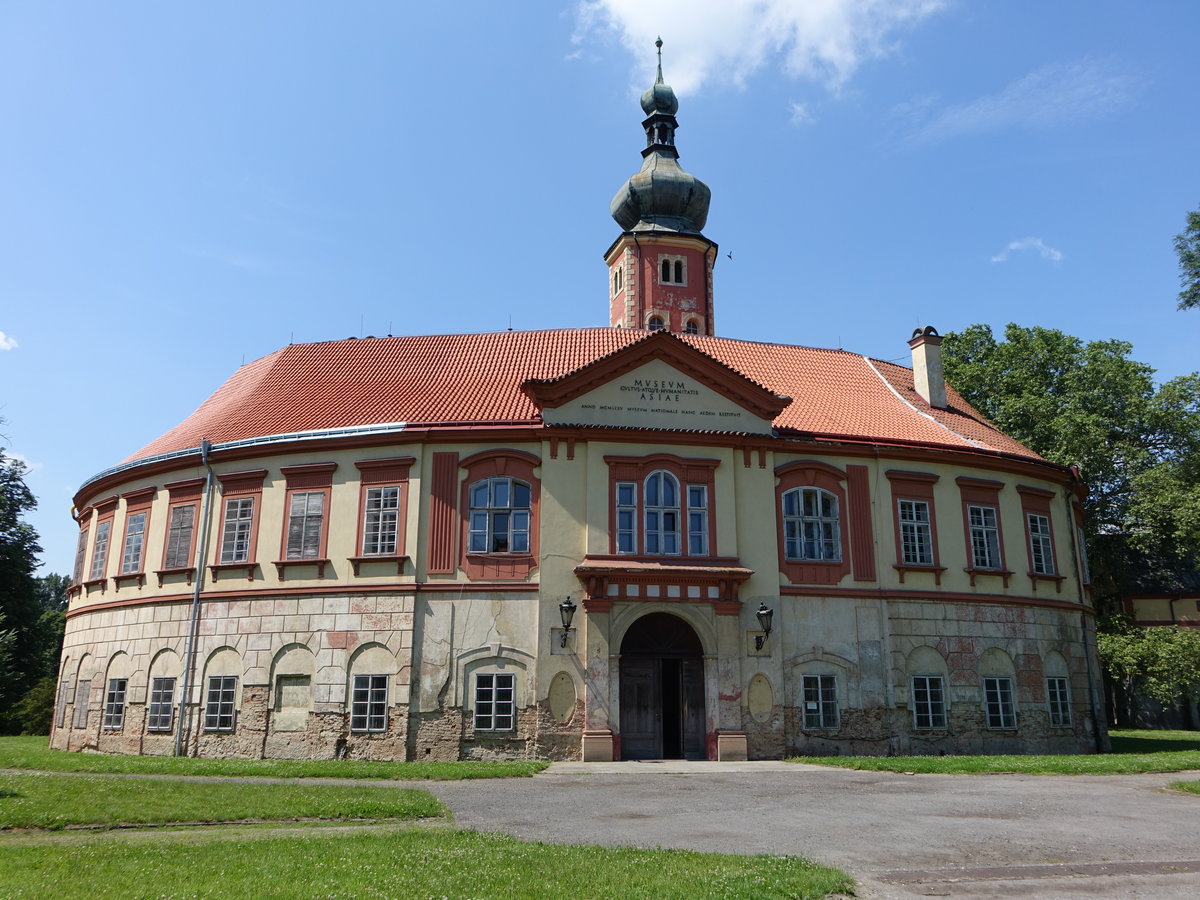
30	465
801	115
1058	94
729	40
8	342
1029	243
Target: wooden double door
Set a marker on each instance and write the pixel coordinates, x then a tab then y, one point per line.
662	690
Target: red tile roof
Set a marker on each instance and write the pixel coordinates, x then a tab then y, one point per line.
460	379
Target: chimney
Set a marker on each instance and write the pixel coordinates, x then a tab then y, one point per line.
928	378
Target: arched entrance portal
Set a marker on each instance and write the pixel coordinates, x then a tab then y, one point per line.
662	690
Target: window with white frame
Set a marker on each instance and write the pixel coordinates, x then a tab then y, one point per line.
160	712
239	527
114	704
495	701
82	690
100	550
381	521
916	535
179	537
306	516
626	516
80	553
928	702
811	527
1041	547
135	539
1058	699
697	521
499	516
368	703
662	514
618	280
672	270
985	536
820	701
998	702
220	705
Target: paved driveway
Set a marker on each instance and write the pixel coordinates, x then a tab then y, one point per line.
902	836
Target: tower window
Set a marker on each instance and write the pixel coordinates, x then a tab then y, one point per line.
672	270
692	327
617	281
655	323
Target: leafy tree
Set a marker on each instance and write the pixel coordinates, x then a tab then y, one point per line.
1187	246
35	711
52	591
1089	404
18	587
7	639
1162	663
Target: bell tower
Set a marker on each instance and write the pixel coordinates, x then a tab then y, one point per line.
660	268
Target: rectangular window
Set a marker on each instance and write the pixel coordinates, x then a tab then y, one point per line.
928	702
162	704
1058	698
135	535
495	702
998	702
916	536
239	525
1083	557
985	537
626	517
179	537
82	690
1041	548
820	701
100	550
114	704
697	510
60	714
368	705
219	707
80	553
306	513
381	522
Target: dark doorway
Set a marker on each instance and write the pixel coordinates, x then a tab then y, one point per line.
662	690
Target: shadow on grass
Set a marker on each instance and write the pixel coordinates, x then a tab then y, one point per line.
1131	741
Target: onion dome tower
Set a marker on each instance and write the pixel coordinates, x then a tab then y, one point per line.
660	268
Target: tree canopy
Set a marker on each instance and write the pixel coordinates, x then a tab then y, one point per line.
1187	246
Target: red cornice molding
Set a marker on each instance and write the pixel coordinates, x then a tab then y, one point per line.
800	465
934	597
659	346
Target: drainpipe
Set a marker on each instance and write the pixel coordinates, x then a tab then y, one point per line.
189	660
1072	531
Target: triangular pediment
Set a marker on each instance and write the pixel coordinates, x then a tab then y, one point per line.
659	382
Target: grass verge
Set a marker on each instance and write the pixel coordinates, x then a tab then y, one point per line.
56	801
412	863
27	752
1188	787
1134	752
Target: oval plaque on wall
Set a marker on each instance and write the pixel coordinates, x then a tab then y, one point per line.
760	698
562	697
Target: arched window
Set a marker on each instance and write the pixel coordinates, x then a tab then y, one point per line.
666	271
692	327
679	271
662	514
499	513
811	527
656	322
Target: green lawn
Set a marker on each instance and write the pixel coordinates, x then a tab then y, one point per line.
56	801
406	863
32	753
1188	787
1134	752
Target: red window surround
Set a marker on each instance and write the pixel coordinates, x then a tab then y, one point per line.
136	503
499	463
687	471
1037	501
180	494
376	473
313	478
982	492
235	485
811	473
914	486
106	512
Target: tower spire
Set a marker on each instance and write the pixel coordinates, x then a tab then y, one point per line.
658	44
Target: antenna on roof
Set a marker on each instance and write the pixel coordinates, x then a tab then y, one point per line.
291	338
510	321
389	327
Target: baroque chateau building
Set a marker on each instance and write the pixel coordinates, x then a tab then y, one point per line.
628	542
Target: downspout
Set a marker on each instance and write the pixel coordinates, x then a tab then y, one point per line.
189	660
1072	530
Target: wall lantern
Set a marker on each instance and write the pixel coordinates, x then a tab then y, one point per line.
764	622
566	609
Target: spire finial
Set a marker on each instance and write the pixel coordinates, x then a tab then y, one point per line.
658	44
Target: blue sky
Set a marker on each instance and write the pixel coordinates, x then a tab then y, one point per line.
186	187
